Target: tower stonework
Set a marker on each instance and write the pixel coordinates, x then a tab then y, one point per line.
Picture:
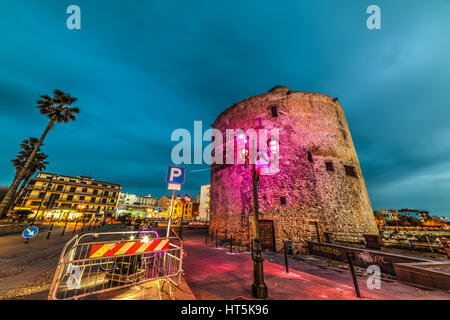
319	186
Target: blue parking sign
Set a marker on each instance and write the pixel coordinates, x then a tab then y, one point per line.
175	175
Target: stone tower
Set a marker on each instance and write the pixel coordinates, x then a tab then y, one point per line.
319	186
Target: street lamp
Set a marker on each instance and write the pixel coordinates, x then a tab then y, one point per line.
259	288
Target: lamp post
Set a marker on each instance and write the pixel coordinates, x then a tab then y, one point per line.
247	153
259	288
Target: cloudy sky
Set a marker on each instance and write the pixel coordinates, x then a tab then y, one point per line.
143	68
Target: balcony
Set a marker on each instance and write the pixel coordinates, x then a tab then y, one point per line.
67	191
85	202
84	185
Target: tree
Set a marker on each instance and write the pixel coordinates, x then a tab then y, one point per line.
57	109
38	164
3	191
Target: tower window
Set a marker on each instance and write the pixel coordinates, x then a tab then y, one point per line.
274	111
350	171
310	156
283	201
329	165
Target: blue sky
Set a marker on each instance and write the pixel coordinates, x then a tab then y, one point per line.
144	68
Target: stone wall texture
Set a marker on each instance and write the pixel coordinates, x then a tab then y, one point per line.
331	200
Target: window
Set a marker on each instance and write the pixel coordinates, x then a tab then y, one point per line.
82	198
73	189
41	195
70	197
93	200
310	156
114	194
84	190
95	192
59	188
283	201
344	134
35	203
106	193
350	171
329	165
103	200
274	111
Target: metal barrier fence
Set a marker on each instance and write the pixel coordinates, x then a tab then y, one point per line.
97	263
401	239
348	237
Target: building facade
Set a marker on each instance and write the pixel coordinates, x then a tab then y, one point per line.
387	215
317	187
142	207
204	203
66	197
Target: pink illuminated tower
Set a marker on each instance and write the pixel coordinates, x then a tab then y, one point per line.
319	186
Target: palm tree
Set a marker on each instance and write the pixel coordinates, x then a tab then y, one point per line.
38	164
57	109
27	147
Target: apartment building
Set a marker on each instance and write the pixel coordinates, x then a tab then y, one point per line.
67	197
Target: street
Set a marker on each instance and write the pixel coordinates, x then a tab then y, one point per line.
26	270
210	273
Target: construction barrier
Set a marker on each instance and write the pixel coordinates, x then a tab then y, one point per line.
97	263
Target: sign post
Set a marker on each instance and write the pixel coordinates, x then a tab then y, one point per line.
175	178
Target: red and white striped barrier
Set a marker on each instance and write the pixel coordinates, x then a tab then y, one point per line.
116	249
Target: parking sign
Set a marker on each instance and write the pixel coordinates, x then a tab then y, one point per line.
175	175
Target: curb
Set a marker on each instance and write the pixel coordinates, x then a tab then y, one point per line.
183	291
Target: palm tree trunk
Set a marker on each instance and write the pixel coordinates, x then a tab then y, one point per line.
18	195
16	176
4	205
